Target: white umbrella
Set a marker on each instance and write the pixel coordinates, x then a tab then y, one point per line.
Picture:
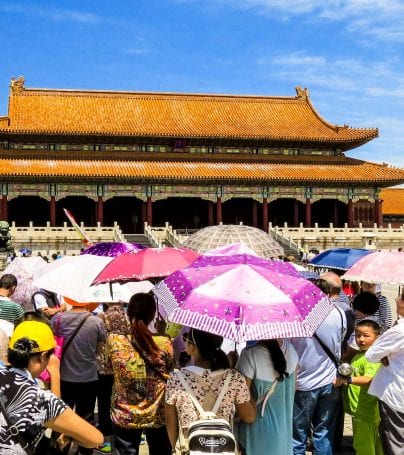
115	292
71	276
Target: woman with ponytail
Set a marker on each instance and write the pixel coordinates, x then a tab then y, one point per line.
141	364
206	378
26	410
268	367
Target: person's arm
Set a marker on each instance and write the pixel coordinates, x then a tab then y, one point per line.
358	380
172	423
387	344
247	411
70	424
53	368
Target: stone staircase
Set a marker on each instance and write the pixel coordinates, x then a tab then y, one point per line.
141	239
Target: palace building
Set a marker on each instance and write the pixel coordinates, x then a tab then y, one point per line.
193	160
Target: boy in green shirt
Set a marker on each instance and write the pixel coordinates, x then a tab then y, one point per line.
357	402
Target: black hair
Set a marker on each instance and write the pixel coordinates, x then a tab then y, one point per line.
8	281
20	354
277	357
141	311
34	316
369	323
209	349
366	303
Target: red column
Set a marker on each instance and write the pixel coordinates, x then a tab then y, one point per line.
308	212
52	211
380	212
100	210
336	213
210	213
4	208
350	213
376	217
143	214
254	214
149	211
265	214
219	210
295	213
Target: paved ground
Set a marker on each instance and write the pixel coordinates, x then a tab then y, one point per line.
346	448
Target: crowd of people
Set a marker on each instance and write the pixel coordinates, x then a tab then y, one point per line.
280	397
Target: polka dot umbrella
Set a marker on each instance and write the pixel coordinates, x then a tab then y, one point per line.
112	249
243	302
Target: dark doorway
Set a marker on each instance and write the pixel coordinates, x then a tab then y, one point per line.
328	211
24	209
126	211
181	212
286	210
82	208
240	210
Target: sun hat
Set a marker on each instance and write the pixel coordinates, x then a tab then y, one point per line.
35	331
91	306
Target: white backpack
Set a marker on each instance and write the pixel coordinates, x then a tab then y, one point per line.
209	434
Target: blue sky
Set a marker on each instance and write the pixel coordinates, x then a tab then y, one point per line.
349	53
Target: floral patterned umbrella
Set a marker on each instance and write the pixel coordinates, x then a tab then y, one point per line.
25	269
385	267
112	249
243	302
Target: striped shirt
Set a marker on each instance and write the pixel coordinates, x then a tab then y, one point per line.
9	310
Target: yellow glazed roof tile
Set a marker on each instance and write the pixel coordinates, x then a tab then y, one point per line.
175	115
11	169
393	201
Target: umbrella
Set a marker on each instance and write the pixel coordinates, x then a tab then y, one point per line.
212	237
243	302
275	266
338	258
232	248
148	263
71	276
116	292
112	249
25	270
25	251
385	267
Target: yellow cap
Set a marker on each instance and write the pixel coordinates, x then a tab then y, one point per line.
36	331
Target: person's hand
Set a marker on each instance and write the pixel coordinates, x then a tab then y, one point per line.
385	361
160	325
338	382
53	365
233	358
50	311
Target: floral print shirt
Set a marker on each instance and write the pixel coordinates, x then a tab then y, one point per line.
138	392
203	383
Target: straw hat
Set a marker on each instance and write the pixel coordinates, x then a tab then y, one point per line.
36	331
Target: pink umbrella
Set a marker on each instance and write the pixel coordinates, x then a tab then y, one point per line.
145	264
112	249
275	266
385	267
232	248
243	302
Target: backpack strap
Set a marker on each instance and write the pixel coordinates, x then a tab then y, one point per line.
196	403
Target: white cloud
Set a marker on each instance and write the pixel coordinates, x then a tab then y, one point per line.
55	14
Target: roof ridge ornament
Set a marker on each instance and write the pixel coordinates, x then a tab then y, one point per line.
302	93
17	85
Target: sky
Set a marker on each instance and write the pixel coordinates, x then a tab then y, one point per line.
348	53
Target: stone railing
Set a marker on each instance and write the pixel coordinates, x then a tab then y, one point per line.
65	239
156	236
330	237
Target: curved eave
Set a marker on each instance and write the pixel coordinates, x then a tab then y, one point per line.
360	174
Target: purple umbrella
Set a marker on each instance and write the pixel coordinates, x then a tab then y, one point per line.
243	302
112	249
